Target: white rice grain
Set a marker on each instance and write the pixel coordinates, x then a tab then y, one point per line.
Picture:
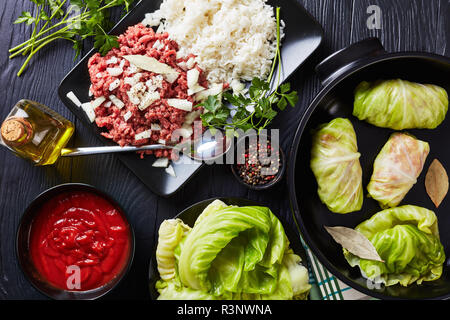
232	39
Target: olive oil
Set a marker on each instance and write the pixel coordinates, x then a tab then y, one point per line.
35	132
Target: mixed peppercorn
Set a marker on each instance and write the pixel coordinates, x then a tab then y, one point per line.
255	172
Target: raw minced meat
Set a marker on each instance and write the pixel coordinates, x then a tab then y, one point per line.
123	85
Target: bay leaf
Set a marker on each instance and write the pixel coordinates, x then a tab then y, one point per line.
355	242
436	182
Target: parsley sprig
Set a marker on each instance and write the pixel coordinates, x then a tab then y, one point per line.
74	20
254	110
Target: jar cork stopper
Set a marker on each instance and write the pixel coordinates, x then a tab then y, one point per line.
12	130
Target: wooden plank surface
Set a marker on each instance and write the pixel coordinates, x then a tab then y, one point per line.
405	25
403	22
443	29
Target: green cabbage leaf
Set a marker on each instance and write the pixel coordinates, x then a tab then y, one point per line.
407	239
335	164
400	104
236	253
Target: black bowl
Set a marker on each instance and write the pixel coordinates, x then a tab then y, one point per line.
190	215
279	175
23	251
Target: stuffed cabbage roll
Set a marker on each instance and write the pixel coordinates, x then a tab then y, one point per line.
335	164
407	239
396	169
400	104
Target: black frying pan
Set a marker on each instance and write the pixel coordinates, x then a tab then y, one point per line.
340	74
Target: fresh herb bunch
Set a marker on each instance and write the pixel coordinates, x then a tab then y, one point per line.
74	20
255	110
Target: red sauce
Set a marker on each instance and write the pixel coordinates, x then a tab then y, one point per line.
79	241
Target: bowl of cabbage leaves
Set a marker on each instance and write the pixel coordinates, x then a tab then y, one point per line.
360	157
227	249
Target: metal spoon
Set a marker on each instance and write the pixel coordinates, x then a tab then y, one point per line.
201	149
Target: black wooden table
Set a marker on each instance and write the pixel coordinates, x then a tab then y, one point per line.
406	25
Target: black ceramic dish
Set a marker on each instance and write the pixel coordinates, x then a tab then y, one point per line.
190	215
24	259
278	176
340	74
303	36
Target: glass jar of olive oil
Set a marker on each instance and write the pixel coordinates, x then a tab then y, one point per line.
35	132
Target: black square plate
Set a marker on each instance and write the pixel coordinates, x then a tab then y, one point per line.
302	37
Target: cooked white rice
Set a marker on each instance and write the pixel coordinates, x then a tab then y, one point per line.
232	39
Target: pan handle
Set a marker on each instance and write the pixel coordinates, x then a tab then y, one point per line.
344	59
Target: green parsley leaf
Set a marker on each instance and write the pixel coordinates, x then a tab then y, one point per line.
211	104
55	8
285	87
72	20
207	118
43	15
223	114
25	17
282	103
270	114
234	100
93	4
78	47
105	42
259	84
292	98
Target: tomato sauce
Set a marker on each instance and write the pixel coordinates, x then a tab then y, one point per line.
79	241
